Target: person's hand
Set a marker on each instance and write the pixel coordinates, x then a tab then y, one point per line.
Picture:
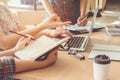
82	20
52	57
56	33
54	21
22	42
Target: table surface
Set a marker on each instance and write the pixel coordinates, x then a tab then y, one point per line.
68	67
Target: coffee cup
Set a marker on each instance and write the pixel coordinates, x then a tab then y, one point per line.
101	65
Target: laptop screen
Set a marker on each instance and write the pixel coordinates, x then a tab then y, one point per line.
93	21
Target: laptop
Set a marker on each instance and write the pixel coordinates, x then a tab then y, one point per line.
79	42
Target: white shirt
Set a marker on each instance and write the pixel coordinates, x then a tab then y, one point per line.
7	20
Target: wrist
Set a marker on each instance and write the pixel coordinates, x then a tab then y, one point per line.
83	15
13	50
42	26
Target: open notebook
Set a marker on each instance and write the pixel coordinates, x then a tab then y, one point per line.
75	29
38	50
79	42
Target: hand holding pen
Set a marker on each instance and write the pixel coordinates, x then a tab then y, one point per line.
82	20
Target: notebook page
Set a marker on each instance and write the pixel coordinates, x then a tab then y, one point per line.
75	27
37	46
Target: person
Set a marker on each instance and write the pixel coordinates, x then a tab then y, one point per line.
96	4
9	64
8	22
72	10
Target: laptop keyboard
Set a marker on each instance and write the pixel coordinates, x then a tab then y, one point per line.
77	43
74	42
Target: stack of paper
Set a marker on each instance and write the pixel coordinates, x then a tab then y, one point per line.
113	29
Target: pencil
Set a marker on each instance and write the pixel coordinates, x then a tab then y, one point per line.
21	34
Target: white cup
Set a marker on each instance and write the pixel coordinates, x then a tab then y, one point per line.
101	65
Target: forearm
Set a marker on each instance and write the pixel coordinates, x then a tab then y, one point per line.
25	65
83	6
8	41
48	7
34	31
9	52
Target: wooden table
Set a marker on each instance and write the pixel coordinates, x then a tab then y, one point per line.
68	67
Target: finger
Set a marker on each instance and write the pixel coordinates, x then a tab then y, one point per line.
78	20
69	34
67	22
54	17
29	36
81	19
62	31
58	19
21	39
53	51
58	33
59	28
84	23
64	23
26	41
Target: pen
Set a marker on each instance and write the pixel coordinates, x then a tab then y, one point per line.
21	34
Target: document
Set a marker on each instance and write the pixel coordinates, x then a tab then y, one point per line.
83	29
110	50
39	47
76	27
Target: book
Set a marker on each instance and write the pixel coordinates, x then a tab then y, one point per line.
39	48
110	50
